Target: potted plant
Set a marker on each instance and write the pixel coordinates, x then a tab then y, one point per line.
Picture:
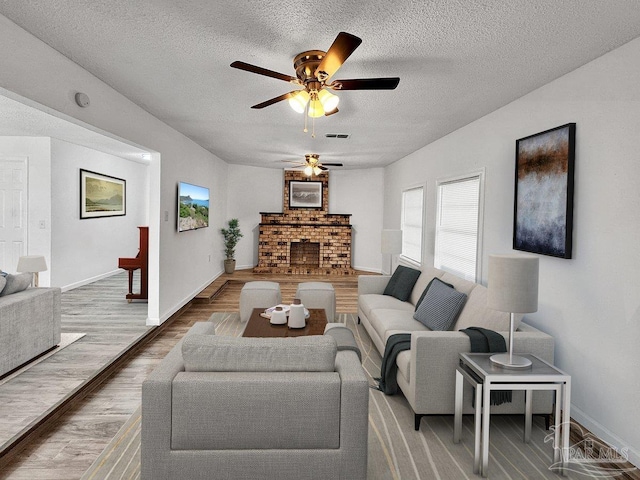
231	236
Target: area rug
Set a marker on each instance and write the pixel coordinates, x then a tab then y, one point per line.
396	450
66	339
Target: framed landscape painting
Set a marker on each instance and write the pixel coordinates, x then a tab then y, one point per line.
305	194
543	210
101	195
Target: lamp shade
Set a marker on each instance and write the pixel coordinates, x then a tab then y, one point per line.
513	283
298	100
391	241
315	108
32	263
329	100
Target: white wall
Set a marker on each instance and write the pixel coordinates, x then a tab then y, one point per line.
37	151
82	250
252	190
590	304
359	192
179	262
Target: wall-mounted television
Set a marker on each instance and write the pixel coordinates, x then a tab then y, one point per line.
193	207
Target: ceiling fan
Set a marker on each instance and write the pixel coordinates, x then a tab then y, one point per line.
314	68
312	165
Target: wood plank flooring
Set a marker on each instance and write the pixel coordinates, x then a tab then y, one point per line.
75	439
110	323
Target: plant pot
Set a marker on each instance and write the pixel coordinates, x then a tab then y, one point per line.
229	265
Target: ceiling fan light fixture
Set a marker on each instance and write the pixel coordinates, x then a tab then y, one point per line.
308	170
329	100
315	108
317	170
298	101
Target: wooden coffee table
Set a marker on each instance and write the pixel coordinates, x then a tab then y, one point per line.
258	326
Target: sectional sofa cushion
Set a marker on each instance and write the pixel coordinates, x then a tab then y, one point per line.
3	282
16	283
401	283
213	353
440	306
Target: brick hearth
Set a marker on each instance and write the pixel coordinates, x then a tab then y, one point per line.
305	240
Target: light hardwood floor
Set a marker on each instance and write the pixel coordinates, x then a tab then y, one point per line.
109	323
73	441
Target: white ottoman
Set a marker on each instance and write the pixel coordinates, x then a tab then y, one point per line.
258	295
318	295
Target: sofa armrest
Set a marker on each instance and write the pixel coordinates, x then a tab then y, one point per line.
372	284
354	414
435	355
156	405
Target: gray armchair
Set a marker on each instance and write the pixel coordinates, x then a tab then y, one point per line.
255	408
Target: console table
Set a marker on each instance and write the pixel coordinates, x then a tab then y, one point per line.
477	370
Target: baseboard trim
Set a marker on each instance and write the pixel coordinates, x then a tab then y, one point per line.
587	428
87	281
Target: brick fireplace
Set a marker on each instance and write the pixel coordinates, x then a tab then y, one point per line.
306	240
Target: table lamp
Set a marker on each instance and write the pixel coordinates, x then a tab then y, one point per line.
513	288
391	244
32	264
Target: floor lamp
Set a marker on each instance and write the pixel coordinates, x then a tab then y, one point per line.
32	264
391	244
513	288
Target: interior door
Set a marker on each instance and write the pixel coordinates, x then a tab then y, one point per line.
13	212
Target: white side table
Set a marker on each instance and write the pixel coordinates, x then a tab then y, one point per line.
477	369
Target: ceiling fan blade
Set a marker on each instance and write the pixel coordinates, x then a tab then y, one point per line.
322	167
262	71
333	164
335	110
343	46
367	84
274	100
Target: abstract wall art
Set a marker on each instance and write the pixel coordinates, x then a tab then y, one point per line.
543	210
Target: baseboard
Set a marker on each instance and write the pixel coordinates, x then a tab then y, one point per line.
154	322
87	281
605	435
367	269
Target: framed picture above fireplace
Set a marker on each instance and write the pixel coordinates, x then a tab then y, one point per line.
305	194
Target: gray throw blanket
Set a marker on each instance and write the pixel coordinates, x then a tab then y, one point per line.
344	338
387	382
488	341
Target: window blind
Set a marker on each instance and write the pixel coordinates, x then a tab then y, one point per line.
457	227
412	202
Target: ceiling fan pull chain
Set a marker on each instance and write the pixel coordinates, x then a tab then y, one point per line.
306	109
313	127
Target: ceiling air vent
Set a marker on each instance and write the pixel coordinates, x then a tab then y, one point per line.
337	135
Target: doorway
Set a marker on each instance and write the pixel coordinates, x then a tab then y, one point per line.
13	211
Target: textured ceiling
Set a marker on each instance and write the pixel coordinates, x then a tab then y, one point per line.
457	60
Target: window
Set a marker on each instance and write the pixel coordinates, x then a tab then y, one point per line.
412	203
458	225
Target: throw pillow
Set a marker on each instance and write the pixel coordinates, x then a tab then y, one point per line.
401	282
426	290
16	283
3	282
440	306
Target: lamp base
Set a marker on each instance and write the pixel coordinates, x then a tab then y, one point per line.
506	360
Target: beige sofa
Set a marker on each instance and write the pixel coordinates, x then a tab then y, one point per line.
260	408
426	372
